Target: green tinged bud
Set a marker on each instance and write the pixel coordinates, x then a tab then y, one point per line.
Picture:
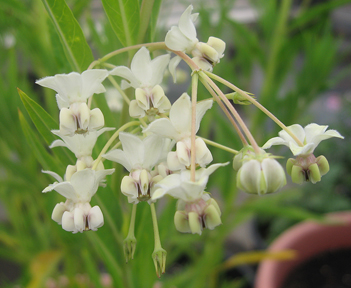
238	98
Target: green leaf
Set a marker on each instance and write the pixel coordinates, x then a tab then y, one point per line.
148	19
47	161
124	16
71	35
44	123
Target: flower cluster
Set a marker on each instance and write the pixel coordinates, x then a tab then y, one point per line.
164	155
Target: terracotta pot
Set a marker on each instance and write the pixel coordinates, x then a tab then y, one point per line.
308	239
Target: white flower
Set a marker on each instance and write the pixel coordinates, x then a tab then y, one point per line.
143	71
178	127
75	87
183	37
181	187
261	176
310	136
80	144
76	214
139	156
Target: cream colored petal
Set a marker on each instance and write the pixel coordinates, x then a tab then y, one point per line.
96	120
95	218
135	111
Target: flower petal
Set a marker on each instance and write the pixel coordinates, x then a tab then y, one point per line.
53	174
141	67
85	184
153	149
177	41
117	155
95	218
172	67
133	148
126	73
158	66
297	130
201	108
186	25
91	82
180	115
163	127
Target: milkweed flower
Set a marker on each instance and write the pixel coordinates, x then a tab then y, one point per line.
145	75
73	90
178	128
139	157
306	167
76	214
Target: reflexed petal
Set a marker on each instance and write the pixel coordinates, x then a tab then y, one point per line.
85	184
126	73
95	218
177	41
172	67
153	149
275	141
120	157
163	127
53	174
180	115
209	170
158	66
298	150
64	188
201	108
173	162
186	25
297	130
91	82
101	174
141	67
133	148
61	102
312	130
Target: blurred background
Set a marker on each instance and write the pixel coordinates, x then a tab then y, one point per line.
294	56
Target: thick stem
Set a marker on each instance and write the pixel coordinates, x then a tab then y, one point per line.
257	104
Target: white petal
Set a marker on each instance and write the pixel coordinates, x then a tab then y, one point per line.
68	222
101	174
120	157
85	184
68	123
180	115
129	187
173	162
275	141
64	188
135	111
274	174
208	171
183	153
95	218
62	102
172	67
153	149
186	25
163	127
201	109
53	174
133	148
312	130
298	150
249	177
177	41
297	130
126	73
141	67
91	82
158	66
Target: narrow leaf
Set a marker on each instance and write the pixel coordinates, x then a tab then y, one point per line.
124	16
71	35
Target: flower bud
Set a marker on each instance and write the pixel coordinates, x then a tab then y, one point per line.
261	177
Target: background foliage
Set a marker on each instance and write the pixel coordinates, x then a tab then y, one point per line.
291	46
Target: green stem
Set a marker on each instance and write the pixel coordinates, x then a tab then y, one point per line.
145	15
113	137
194	85
257	104
233	111
132	222
225	110
220	146
155	225
119	89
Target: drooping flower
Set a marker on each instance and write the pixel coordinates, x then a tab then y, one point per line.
139	156
310	136
178	128
76	214
145	75
73	90
261	175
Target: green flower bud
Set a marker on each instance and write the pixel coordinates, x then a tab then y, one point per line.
238	98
